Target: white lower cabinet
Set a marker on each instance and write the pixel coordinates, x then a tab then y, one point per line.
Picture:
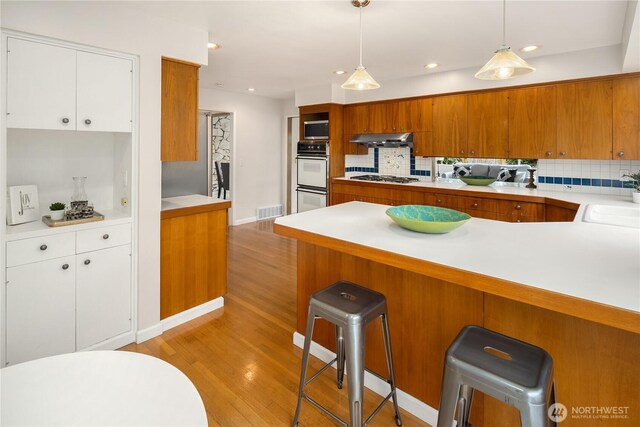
103	295
41	309
79	299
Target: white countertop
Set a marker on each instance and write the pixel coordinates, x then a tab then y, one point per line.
599	263
180	202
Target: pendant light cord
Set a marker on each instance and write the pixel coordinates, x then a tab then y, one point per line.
504	23
360	9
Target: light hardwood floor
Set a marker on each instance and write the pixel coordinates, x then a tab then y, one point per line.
241	358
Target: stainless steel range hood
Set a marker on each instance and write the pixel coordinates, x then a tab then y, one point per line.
386	140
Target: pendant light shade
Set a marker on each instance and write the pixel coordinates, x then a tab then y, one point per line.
360	79
505	64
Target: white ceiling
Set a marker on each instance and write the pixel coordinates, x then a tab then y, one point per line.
277	46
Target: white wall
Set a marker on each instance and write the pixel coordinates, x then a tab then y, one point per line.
111	25
256	158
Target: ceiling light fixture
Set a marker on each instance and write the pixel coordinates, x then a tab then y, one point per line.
250	89
432	65
505	64
360	79
340	72
213	46
529	48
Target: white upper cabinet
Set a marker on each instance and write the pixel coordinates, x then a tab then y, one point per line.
41	86
104	93
52	87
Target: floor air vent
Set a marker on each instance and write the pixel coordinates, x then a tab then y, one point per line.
269	212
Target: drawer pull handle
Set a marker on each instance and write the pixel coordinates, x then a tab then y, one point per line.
620	153
548	154
87	261
65	266
563	153
43	247
518	207
439	201
65	120
87	122
518	221
105	236
475	205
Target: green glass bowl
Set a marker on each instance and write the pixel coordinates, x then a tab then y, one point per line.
477	180
427	219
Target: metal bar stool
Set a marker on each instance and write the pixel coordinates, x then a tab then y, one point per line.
517	373
351	308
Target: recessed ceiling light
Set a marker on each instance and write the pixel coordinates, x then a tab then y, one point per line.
219	84
529	48
212	45
340	72
250	89
432	65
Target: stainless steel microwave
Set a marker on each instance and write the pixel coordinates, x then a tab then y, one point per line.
317	129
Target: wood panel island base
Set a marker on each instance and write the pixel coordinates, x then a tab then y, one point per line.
596	347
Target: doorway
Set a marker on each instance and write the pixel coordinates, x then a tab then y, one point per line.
220	138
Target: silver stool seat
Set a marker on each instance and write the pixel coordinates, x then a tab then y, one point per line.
509	370
351	308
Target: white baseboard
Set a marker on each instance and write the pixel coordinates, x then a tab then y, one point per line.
192	313
245	220
113	343
407	402
148	333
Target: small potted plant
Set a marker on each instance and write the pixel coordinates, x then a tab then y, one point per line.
57	211
635	185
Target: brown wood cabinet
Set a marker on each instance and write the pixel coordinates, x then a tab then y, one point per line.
585	120
422	143
532	123
626	118
518	211
414	115
179	129
487	125
353	148
193	257
356	119
449	126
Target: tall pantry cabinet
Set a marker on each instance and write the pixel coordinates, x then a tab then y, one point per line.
69	111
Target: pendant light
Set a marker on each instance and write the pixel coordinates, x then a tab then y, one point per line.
505	64
360	79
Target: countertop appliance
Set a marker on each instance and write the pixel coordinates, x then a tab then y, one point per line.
385	178
316	130
313	175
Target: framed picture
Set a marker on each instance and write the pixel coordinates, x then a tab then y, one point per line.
22	204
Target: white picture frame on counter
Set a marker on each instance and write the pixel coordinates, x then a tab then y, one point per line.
22	204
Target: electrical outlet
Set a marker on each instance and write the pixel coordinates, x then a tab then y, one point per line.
624	172
124	201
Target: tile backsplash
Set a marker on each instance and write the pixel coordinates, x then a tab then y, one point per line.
586	176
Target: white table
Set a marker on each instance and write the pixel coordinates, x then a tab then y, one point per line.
114	388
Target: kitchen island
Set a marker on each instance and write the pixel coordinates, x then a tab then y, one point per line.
572	288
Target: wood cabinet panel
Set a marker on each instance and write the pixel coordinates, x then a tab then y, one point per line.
585	120
626	118
517	211
449	126
414	115
179	129
532	122
380	120
488	129
422	143
356	119
193	260
352	148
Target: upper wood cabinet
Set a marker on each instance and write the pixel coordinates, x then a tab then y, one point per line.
487	125
422	143
532	122
585	120
356	119
53	87
449	126
179	111
413	115
380	118
626	118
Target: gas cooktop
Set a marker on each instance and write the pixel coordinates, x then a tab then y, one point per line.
385	178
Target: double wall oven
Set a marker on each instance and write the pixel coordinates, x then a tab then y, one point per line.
313	175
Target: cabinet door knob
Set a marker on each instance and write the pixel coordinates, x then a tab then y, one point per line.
87	261
562	153
87	122
518	207
472	152
475	205
518	221
548	154
105	236
461	151
43	247
439	201
620	153
65	266
65	120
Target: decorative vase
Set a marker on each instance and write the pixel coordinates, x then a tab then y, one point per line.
79	197
636	196
56	215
